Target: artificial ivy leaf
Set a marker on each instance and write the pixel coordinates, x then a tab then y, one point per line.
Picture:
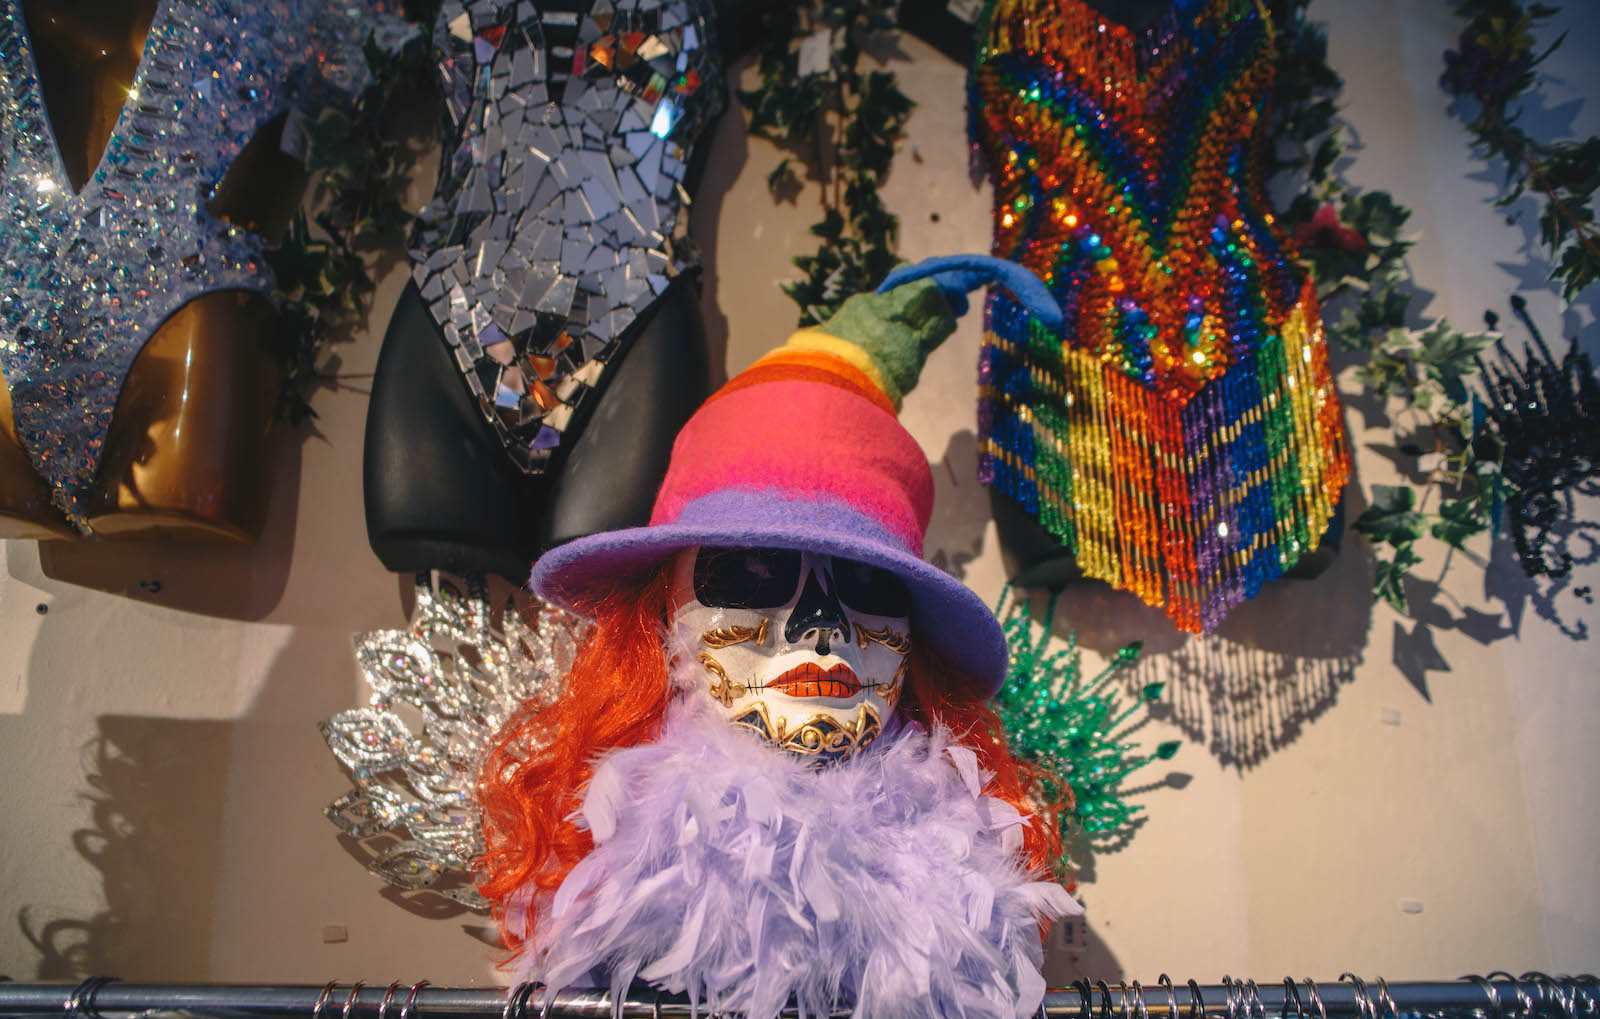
1447	356
1459	519
1392	517
1493	490
1326	155
1167	750
1152	691
1376	215
1576	270
1391	572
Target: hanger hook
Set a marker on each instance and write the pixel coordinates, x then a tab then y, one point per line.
1290	990
1105	998
1386	1000
353	1002
1143	1007
81	1002
1316	998
1581	987
388	996
1233	1002
1197	1001
411	998
1490	992
511	1000
1550	990
1127	1006
1253	997
322	999
1363	998
1523	998
1172	998
1085	997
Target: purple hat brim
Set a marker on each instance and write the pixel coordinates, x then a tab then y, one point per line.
956	623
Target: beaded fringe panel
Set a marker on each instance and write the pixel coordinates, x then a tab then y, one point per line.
1193	507
1181	434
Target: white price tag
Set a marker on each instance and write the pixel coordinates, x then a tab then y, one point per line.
966	10
816	53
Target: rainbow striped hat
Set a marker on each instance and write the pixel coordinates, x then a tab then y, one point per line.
804	450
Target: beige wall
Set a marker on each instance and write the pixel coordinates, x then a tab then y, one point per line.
160	812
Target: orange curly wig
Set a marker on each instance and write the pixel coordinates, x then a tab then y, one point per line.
616	694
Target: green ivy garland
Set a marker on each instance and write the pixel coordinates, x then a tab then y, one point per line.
359	152
1353	244
842	123
1495	67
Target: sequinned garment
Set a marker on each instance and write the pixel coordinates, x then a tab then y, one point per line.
557	218
89	277
1181	435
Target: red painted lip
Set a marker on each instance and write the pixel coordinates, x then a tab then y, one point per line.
811	680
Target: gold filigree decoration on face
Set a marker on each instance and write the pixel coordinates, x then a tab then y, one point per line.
728	636
722	689
891	693
823	737
895	641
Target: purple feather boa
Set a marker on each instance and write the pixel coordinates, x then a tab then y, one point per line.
733	872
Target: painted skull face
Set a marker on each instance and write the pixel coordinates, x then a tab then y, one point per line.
808	651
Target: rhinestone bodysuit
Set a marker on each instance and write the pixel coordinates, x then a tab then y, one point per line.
89	276
558	215
1181	434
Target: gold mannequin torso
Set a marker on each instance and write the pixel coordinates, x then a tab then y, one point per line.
188	453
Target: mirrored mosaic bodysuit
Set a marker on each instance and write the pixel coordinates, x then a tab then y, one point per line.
1180	435
558	216
89	276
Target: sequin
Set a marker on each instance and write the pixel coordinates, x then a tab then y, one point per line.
87	277
1181	436
559	212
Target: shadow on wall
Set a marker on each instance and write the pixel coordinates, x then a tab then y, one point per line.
1075	951
1274	665
155	793
960	507
1572	536
726	147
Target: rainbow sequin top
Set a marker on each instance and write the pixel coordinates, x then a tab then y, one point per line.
1181	434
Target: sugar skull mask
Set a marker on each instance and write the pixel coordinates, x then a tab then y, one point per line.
808	651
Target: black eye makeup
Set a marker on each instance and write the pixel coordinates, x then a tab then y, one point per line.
870	589
746	578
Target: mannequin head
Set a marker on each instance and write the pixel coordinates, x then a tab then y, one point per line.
618	692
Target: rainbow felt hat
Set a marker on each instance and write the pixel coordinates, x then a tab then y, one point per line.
804	450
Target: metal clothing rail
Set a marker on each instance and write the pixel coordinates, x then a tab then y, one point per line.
1499	996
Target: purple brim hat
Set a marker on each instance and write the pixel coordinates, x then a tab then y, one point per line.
804	450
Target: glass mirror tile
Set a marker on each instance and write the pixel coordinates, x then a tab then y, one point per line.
560	214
